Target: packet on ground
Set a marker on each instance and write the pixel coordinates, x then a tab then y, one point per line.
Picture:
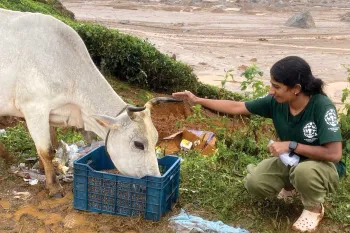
204	141
185	223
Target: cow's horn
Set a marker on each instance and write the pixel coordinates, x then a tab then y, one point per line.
159	100
131	109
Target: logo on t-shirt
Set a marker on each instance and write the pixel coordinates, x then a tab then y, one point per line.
331	119
310	131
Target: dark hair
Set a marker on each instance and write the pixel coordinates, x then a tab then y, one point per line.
294	70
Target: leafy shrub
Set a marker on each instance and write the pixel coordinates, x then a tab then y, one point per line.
18	142
124	56
345	122
135	60
49	7
213	92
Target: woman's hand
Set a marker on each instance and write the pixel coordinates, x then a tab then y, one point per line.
186	95
278	148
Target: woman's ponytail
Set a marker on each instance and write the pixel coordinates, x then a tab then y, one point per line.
313	85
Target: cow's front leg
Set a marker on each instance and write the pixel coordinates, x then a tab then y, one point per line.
52	183
38	125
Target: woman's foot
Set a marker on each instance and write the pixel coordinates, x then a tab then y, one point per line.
309	220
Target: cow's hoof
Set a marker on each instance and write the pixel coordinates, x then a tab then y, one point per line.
56	191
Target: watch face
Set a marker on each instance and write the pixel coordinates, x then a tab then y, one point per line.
292	145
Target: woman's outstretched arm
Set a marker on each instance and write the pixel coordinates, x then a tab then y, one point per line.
224	106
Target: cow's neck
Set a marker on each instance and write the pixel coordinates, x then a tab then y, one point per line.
105	101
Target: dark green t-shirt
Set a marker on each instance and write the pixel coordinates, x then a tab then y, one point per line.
316	125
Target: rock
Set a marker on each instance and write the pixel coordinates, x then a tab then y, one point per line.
301	20
124	21
280	3
345	17
195	1
218	9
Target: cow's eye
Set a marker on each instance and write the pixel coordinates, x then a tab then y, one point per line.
139	145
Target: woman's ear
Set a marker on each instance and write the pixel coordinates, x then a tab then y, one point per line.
297	89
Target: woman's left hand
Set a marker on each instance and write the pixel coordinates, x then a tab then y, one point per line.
278	148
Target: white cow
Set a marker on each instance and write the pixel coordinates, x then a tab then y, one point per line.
48	77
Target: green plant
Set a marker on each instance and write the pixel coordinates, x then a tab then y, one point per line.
228	74
130	101
346	91
144	95
198	117
344	120
69	135
18	142
134	60
49	7
179	124
251	80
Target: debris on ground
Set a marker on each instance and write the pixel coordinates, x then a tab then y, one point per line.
2	131
203	141
185	223
63	162
21	195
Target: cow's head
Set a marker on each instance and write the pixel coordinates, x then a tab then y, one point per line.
132	139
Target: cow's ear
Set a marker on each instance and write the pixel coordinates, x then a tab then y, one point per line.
106	121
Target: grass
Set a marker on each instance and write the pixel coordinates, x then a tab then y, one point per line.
19	143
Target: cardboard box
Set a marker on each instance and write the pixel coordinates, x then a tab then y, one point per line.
203	141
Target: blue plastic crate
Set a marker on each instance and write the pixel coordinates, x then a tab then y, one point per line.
103	192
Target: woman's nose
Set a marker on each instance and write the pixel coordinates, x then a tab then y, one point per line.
271	91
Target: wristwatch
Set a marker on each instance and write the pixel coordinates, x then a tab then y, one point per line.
292	146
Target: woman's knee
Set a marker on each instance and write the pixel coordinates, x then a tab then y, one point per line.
314	176
302	176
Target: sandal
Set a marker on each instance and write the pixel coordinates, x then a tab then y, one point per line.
308	221
287	196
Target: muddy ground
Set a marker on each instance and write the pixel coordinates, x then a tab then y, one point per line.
216	35
26	208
